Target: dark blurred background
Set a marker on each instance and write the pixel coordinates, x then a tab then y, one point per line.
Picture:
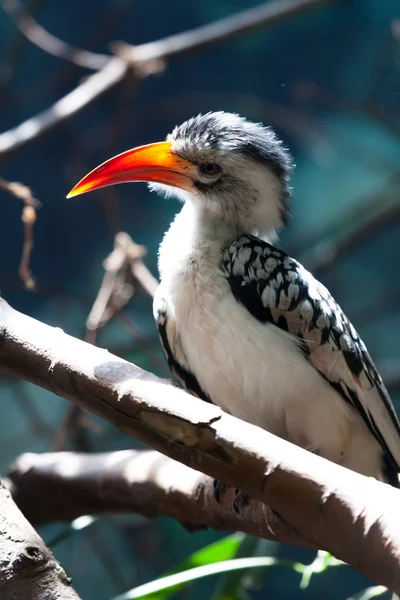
328	81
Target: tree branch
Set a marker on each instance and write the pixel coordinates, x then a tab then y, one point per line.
13	53
223	30
125	271
353	517
36	34
28	570
87	92
146	59
28	218
352	228
113	294
65	485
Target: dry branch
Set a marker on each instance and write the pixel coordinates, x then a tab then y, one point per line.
147	58
28	218
13	53
125	271
28	570
65	485
353	517
115	292
351	228
223	30
36	34
87	92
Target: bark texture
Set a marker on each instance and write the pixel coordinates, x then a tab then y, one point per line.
65	485
351	516
28	570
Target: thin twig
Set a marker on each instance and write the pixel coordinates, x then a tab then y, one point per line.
381	66
148	346
146	57
124	273
99	315
21	191
84	94
354	226
68	424
112	294
34	417
214	33
99	32
14	51
28	218
36	34
143	277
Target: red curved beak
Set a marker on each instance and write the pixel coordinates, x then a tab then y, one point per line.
154	162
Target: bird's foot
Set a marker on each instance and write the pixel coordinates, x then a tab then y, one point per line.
240	501
219	489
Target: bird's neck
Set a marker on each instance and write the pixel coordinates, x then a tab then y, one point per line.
194	238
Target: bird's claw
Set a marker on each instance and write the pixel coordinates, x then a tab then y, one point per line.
240	501
219	489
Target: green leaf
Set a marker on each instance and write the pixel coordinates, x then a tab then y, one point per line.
76	525
82	522
171	581
371	592
322	561
229	587
207	562
223	549
255	577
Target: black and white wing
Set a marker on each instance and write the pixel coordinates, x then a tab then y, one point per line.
172	348
277	289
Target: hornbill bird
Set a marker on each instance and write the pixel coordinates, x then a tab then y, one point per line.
242	324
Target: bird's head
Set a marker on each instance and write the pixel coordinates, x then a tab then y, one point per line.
230	169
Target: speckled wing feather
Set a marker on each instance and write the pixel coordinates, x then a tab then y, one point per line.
277	289
175	359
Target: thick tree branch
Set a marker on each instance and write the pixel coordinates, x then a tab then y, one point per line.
146	59
28	570
65	485
353	517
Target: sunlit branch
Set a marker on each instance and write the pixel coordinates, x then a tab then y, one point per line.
146	59
28	570
353	517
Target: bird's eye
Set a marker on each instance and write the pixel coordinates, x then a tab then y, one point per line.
210	169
